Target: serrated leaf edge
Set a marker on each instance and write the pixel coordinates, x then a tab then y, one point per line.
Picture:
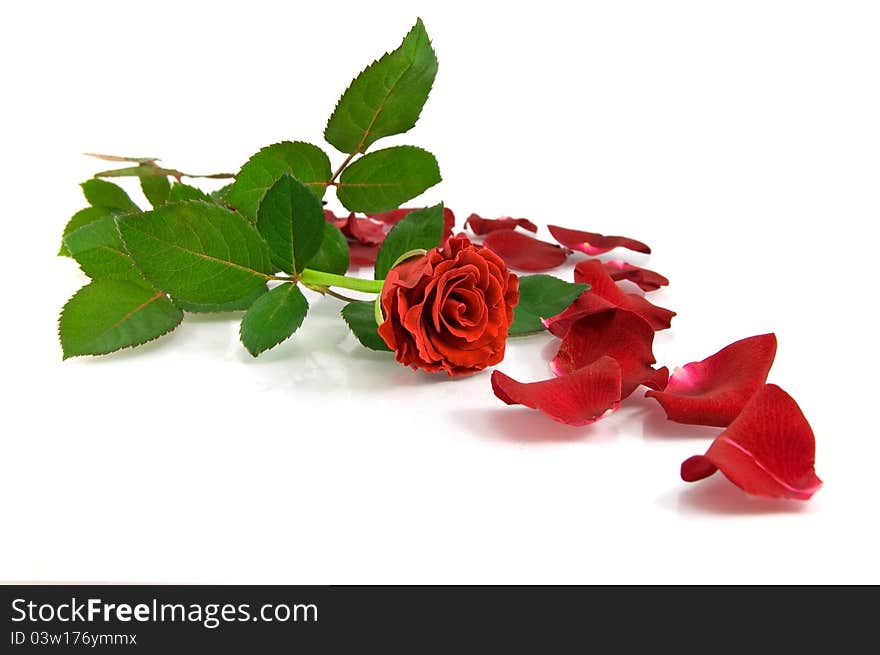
540	318
356	335
202	203
324	184
439	205
277	343
361	148
159	294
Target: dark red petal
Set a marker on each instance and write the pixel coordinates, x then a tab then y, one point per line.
338	221
448	224
602	295
523	252
616	333
365	230
715	390
769	450
480	225
361	255
646	280
696	468
593	243
581	398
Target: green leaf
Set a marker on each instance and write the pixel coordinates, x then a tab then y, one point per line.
101	193
198	252
420	229
385	179
361	319
107	315
156	188
387	97
99	250
220	195
216	308
273	318
141	171
540	297
78	220
150	170
333	255
180	192
307	163
291	220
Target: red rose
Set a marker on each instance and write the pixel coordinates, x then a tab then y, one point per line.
450	309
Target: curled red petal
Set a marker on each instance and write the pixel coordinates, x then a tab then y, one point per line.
769	450
604	294
715	390
593	243
581	398
616	333
480	225
647	280
523	252
365	230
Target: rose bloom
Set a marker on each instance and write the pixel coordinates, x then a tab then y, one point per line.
450	309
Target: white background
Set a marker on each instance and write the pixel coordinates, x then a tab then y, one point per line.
741	140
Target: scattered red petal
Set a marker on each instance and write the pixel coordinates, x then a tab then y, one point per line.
480	225
581	398
365	230
769	450
338	221
593	243
646	280
616	333
523	252
604	294
361	255
715	390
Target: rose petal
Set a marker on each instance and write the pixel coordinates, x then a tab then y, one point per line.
593	243
646	280
616	333
715	390
365	230
361	255
449	309
769	450
581	398
480	225
604	294
338	221
523	252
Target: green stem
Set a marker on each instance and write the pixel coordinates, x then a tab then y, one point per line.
327	291
341	168
318	278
